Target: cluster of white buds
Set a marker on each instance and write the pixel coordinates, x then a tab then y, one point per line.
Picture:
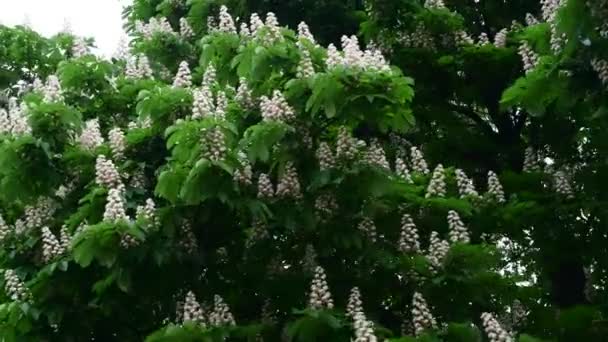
138	179
402	171
38	214
154	26
106	173
346	145
118	145
500	39
256	24
549	11
51	248
221	105
202	105
185	30
183	77
528	56
15	120
368	227
376	156
52	89
438	250
115	205
272	30
147	213
325	156
601	67
495	190
418	162
458	231
434	4
364	329
466	188
515	316
421	315
221	315
409	241
368	59
244	31
354	304
265	187
305	67
243	95
309	262
5	229
326	206
243	175
226	22
79	48
437	187
276	108
289	185
562	184
15	288
65	239
531	19
320	297
214	144
420	38
187	240
483	39
462	38
531	161
122	50
304	34
193	311
138	67
91	137
493	329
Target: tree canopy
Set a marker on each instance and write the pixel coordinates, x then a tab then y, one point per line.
373	170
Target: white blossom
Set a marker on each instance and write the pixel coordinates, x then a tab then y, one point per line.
409	241
483	39
500	39
106	173
15	288
354	304
458	231
437	186
376	156
402	171
325	157
202	105
5	230
187	240
192	310
368	227
243	95
438	250
51	248
493	329
115	205
214	144
226	21
465	185
276	108
364	329
265	187
185	30
304	33
346	145
118	145
221	315
601	67
562	184
528	56
147	213
495	190
305	67
289	185
79	48
531	161
418	163
52	89
122	50
209	77
183	78
326	206
421	315
320	297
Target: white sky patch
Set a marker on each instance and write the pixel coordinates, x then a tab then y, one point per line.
99	19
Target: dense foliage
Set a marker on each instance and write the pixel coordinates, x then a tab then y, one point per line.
234	180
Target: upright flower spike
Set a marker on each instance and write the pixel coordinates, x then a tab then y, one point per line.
601	67
209	77
221	315
244	175
36	215
5	230
462	38
221	105
421	315
483	39
334	59
91	137
244	31
147	213
364	329
376	156
65	239
276	108
409	241
320	297
80	48
143	67
346	145
226	22
289	184
531	161
265	187
185	30
192	310
213	141
326	207
495	191
402	171
51	248
52	90
5	122
305	68
438	250
437	187
118	144
106	173
15	288
304	33
465	185
562	184
418	163
187	240
115	205
255	24
529	58
202	104
122	50
493	329
458	231
183	78
273	33
354	304
368	227
500	39
531	19
17	115
243	95
325	157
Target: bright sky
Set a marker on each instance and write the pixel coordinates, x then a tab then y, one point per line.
100	19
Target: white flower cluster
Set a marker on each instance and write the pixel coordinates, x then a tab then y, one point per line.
493	329
409	239
138	179
37	215
276	108
147	213
483	39
418	163
91	137
353	57
265	187
65	239
289	185
549	9
531	161
52	89
243	95
325	156
138	67
115	205
79	48
187	240
15	288
183	77
304	34
154	26
495	190
346	145
375	156
118	145
5	229
106	173
221	105
458	231
51	248
437	186
562	184
531	19
122	50
421	315
462	38
601	67
438	250
500	39
528	56
221	315
402	171
364	329
185	30
192	310
305	67
465	185
15	120
368	227
434	4
202	105
214	144
420	38
320	297
325	206
354	304
226	22
244	174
